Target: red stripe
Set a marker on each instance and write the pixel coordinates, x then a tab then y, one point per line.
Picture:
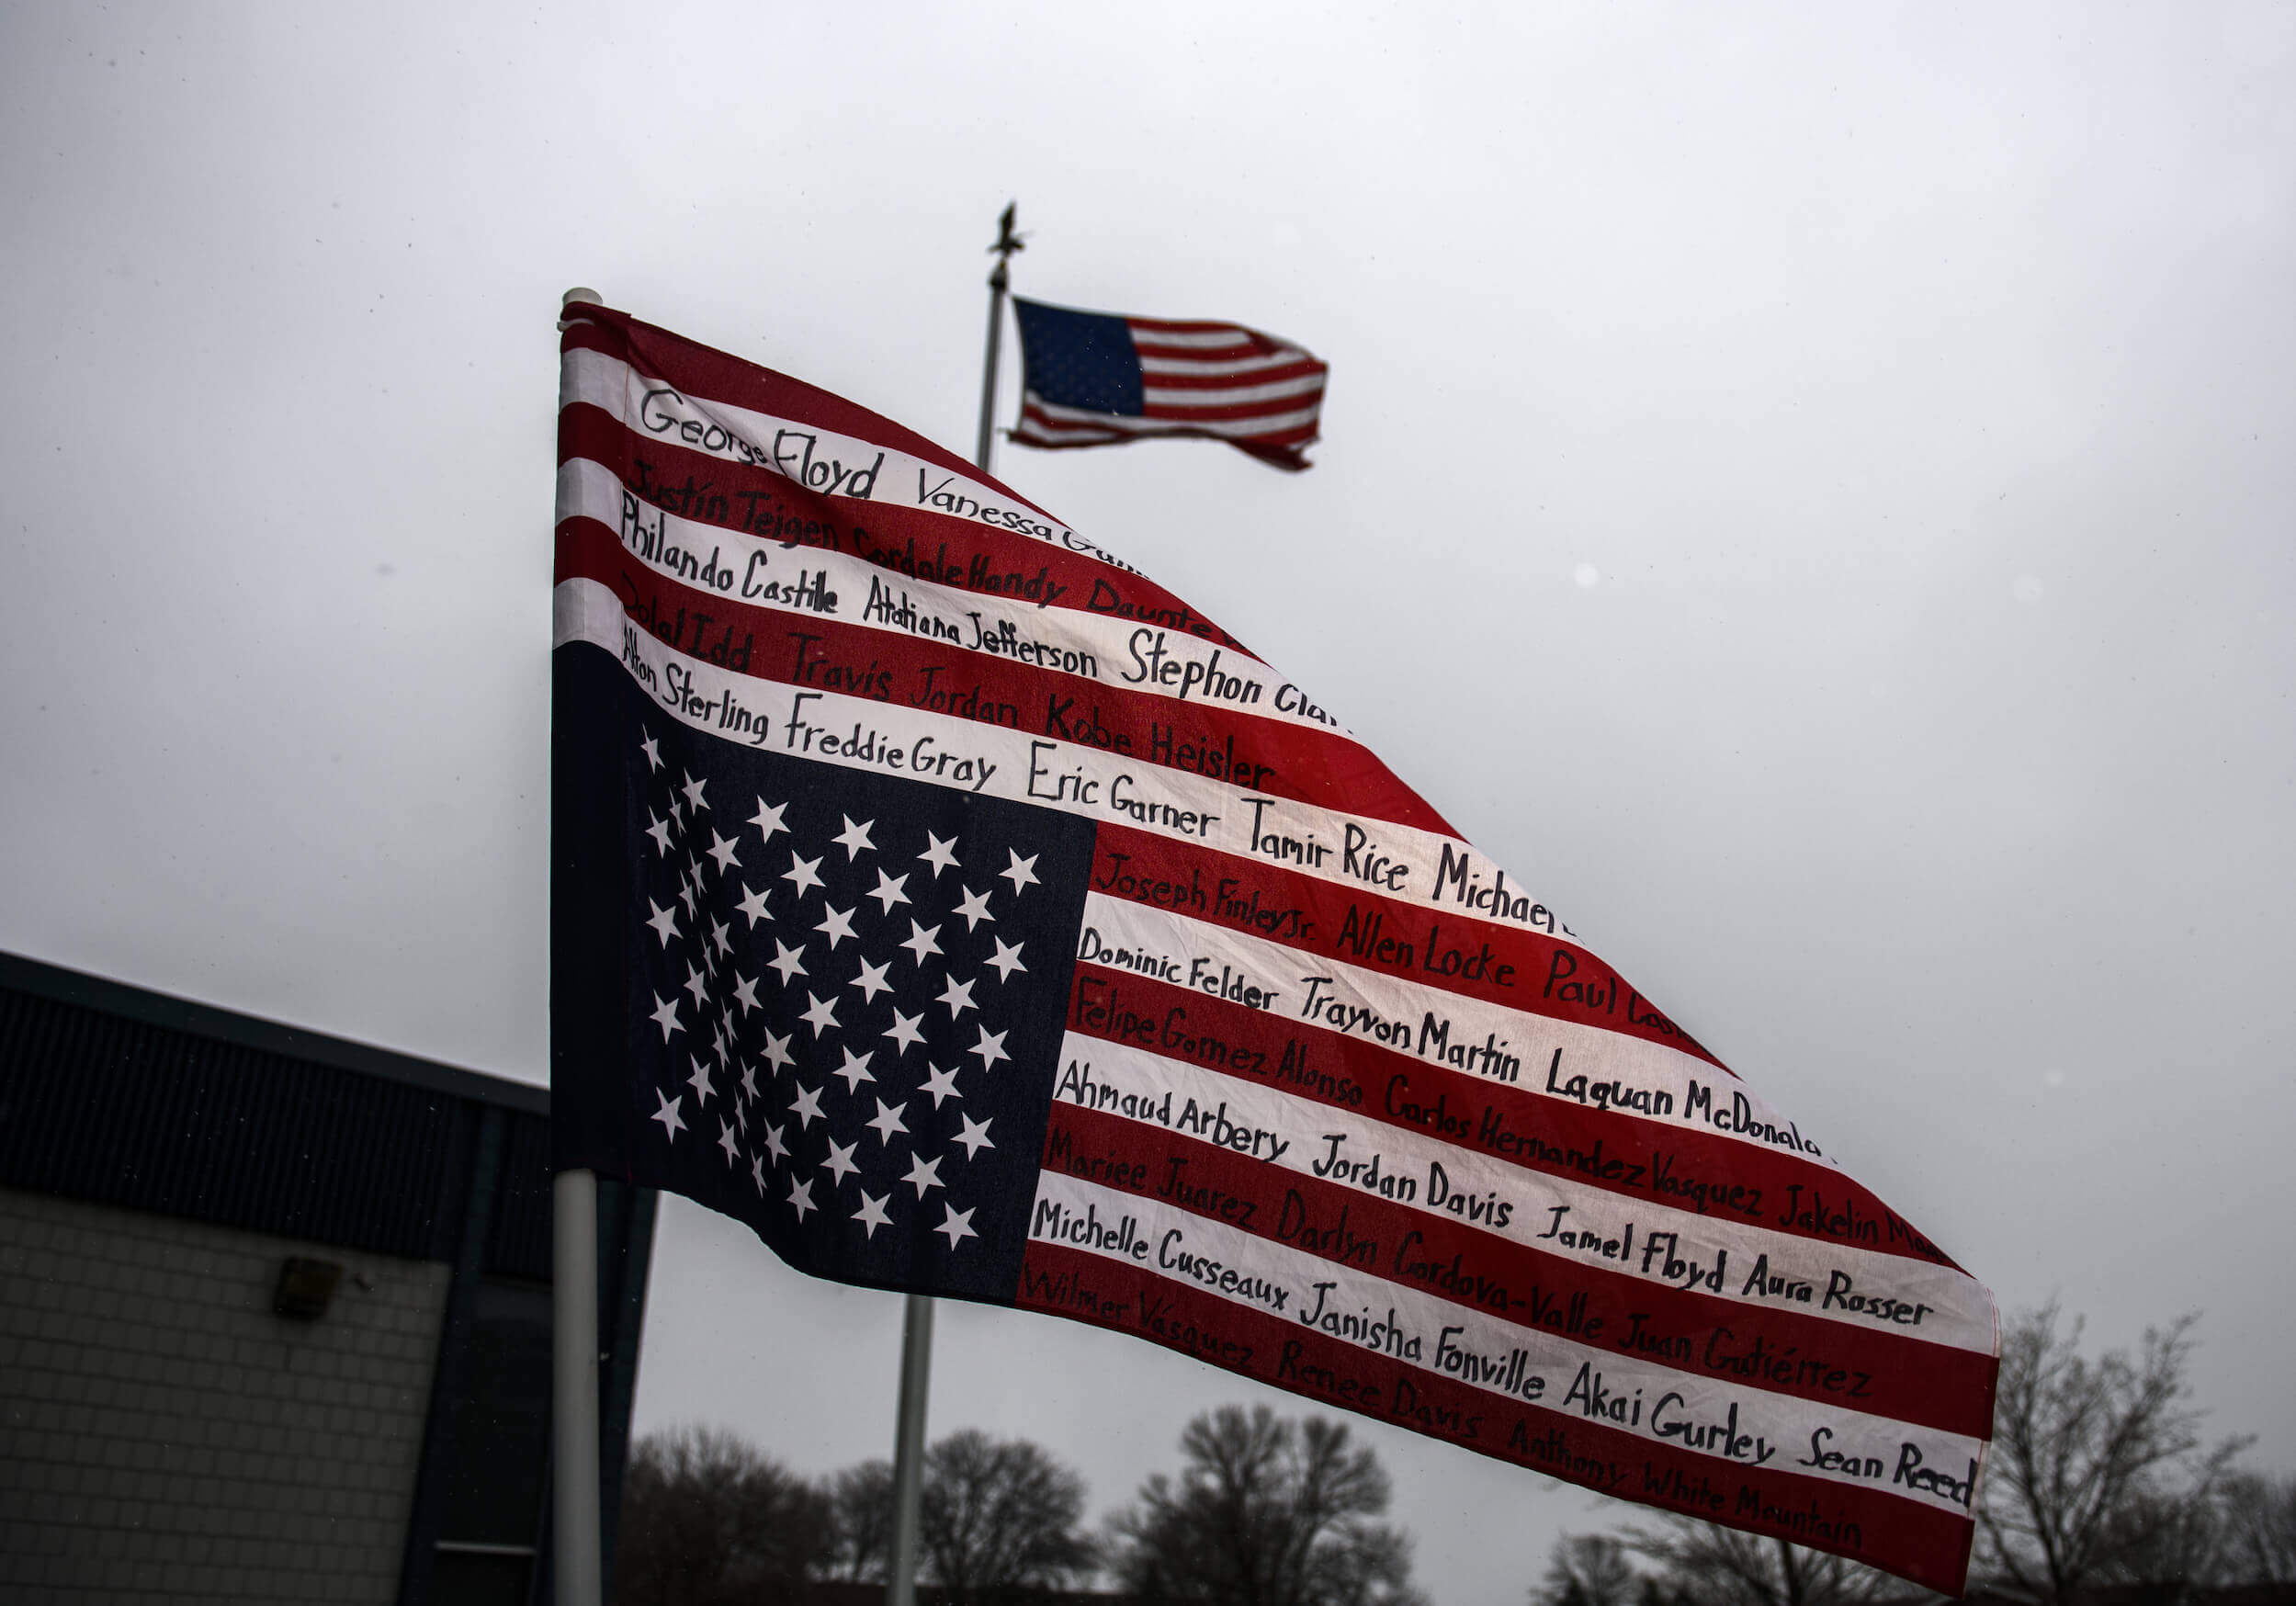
1686	1168
1292	761
1917	1541
1188	326
1876	1372
1297	370
1503	964
1231	412
1301	435
922	543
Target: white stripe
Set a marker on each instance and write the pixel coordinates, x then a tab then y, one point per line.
1211	367
1203	340
1428	1332
1660	1083
1234	396
1126	423
1132	1083
1065	433
857	591
825	462
1004	762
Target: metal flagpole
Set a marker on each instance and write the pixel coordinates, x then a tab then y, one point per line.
909	1428
576	1543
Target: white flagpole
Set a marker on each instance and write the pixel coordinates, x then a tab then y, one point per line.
908	1427
576	1544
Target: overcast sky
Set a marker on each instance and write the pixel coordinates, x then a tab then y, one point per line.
1818	485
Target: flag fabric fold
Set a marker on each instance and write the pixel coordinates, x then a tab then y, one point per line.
968	914
1097	380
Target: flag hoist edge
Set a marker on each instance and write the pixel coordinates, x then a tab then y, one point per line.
968	914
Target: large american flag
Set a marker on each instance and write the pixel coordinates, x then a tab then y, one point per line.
940	896
1097	380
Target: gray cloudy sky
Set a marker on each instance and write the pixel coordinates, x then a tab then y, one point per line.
1810	488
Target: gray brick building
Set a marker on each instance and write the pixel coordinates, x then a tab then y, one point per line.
275	1311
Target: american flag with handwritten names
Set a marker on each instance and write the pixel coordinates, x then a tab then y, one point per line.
968	914
1098	379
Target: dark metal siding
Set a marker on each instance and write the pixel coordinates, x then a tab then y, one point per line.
122	1112
519	1245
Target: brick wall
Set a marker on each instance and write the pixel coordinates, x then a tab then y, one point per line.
165	1437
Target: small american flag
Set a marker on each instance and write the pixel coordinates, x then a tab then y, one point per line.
1097	380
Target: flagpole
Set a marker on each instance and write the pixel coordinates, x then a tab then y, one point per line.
576	1540
908	1427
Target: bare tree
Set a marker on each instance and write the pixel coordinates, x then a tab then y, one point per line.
1699	1564
1266	1512
995	1514
2098	1472
1000	1514
707	1519
1588	1569
861	1521
2259	1530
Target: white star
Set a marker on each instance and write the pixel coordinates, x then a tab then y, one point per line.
666	1017
888	891
904	1032
990	1047
807	1109
937	853
889	1121
696	982
723	852
773	1145
749	1083
663	921
923	940
757	1173
753	905
725	1141
789	961
822	1015
692	790
777	1051
941	1084
719	941
840	1163
1022	872
923	1174
668	1115
801	1195
871	980
685	894
856	1071
678	810
699	1082
768	818
837	923
974	907
959	1223
720	1039
660	831
974	1137
959	996
872	1213
1006	960
804	872
653	754
744	992
854	838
